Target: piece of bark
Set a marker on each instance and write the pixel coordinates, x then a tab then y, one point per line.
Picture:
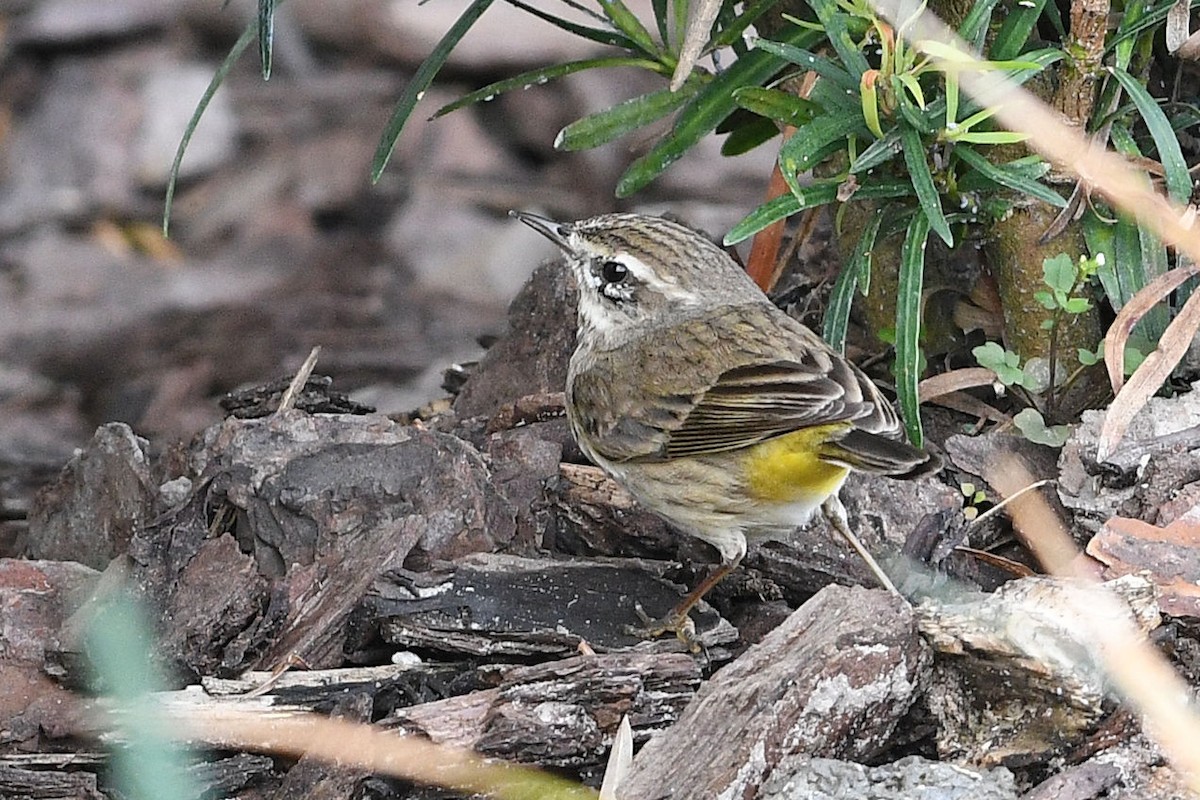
529	409
832	681
1169	555
498	605
314	779
390	686
1133	769
524	465
31	784
100	499
564	713
290	520
802	777
531	357
595	516
316	397
226	776
1153	462
1086	781
36	598
1020	683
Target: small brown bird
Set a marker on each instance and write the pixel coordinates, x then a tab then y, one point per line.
711	406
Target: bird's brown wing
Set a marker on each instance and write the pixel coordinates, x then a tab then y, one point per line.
729	380
752	403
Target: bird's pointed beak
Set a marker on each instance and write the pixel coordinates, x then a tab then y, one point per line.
556	232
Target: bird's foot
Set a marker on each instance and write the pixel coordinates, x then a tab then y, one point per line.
677	621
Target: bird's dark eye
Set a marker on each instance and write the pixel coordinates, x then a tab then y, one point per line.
613	271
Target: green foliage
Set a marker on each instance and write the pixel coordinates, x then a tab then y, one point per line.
885	122
1064	279
1006	364
1032	425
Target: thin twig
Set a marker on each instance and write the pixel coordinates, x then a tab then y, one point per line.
302	375
999	506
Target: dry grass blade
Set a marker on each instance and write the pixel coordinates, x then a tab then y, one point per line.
946	389
1139	673
700	23
381	752
1181	42
956	380
301	378
1149	376
971	406
1134	310
619	761
1014	568
1106	172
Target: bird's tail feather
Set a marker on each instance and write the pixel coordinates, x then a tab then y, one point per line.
870	452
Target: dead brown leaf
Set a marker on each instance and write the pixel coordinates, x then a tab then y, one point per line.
1151	375
1118	334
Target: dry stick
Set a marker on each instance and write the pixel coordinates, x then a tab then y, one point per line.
994	510
293	390
1140	674
382	752
763	263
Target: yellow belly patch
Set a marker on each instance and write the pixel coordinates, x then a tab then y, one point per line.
787	469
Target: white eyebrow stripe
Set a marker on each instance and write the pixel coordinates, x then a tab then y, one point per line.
667	286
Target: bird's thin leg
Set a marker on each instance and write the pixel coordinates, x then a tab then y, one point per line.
835	513
677	619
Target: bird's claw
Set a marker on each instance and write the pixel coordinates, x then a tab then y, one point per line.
680	624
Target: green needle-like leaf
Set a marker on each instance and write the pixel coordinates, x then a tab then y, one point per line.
837	315
420	81
544	75
801	57
1008	178
922	181
266	34
837	33
218	78
879	152
1016	31
1132	277
817	194
628	23
661	13
598	35
604	126
148	764
733	34
809	145
908	325
706	111
1179	182
780	106
974	26
745	138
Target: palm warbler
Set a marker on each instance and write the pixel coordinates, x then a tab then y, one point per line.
712	407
